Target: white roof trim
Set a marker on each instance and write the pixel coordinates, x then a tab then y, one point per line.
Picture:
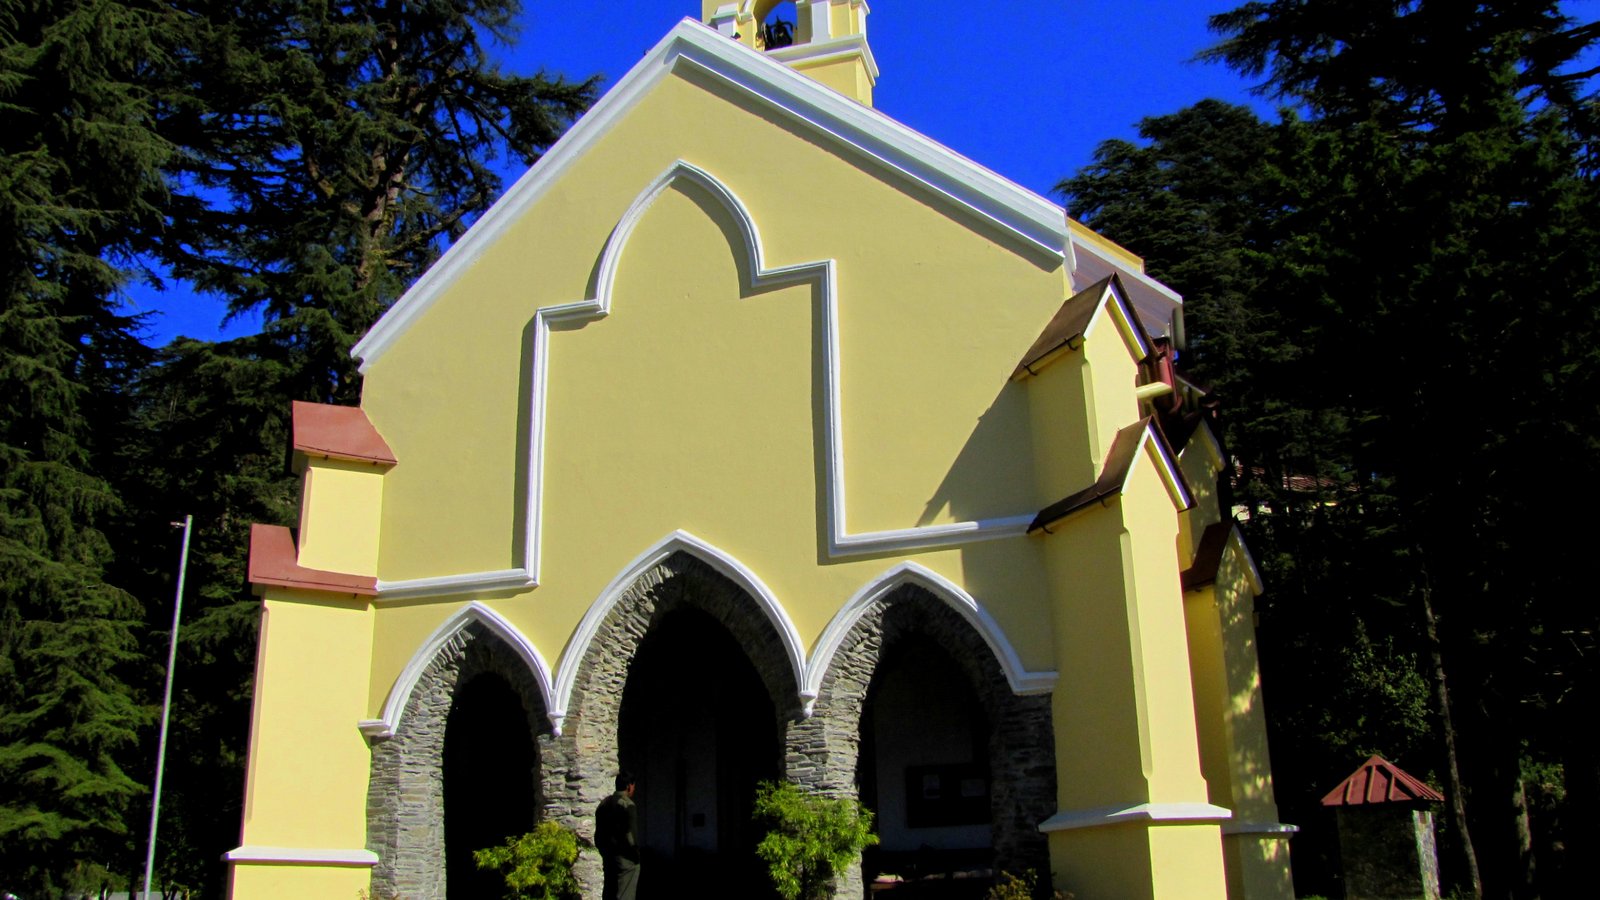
1032	220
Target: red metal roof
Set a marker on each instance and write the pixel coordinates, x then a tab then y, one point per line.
1380	781
338	432
274	561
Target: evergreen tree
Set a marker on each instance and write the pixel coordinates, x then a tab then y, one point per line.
80	178
331	151
1426	258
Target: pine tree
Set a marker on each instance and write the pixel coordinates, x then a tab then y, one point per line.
331	151
80	177
1426	258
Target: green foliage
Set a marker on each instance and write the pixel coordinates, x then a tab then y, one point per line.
1010	886
80	177
1395	298
810	838
537	865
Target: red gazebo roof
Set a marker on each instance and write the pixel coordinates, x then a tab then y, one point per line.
1380	781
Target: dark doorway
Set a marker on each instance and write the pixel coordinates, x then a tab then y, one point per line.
698	730
491	772
924	770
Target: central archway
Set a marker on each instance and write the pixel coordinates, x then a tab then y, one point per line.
684	665
697	764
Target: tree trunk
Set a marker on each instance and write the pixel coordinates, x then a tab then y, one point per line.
1456	798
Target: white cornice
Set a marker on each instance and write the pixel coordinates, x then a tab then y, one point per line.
1139	813
302	856
831	117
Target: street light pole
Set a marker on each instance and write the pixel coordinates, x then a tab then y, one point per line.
166	706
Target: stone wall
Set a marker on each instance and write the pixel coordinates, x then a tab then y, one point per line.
823	750
405	797
581	764
405	801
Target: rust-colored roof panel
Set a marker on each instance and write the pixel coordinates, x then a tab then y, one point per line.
1208	556
1380	781
338	432
1124	449
1066	325
274	561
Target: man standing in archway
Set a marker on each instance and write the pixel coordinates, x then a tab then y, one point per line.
616	830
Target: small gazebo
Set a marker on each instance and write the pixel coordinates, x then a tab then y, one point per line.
1386	833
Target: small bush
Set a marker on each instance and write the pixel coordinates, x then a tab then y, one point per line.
537	865
1025	887
810	838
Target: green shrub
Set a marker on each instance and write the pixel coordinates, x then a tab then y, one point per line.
1024	887
537	865
810	838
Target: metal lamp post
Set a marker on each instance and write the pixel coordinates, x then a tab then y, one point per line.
166	705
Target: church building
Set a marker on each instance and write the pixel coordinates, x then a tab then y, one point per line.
875	476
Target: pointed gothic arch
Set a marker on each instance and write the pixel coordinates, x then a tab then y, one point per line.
912	603
405	794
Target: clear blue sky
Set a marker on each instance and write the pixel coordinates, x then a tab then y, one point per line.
1025	87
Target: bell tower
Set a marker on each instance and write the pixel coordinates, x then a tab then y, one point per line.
827	42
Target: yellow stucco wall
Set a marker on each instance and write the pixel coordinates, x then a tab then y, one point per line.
339	509
311	690
699	404
695	392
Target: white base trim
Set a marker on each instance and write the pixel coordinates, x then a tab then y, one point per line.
320	856
1144	813
1270	829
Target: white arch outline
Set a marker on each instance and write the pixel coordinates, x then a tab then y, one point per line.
841	543
400	693
724	563
1022	680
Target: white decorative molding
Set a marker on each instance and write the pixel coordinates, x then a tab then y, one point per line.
841	543
1022	681
1146	813
1270	829
724	563
400	693
318	856
827	50
456	585
831	117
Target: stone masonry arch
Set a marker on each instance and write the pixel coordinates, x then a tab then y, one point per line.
405	796
823	750
579	764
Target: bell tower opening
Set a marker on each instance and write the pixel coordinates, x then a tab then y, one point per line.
826	40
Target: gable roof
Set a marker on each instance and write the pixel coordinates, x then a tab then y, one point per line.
1113	478
1380	781
1077	317
829	117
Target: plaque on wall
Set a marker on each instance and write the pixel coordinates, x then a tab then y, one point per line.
953	794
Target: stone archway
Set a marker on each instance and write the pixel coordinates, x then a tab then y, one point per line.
580	764
405	797
824	750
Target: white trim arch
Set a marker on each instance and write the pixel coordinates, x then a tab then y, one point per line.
400	693
1022	680
723	562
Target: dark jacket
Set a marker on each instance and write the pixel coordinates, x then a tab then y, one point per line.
616	829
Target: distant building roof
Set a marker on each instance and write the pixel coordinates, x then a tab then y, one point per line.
1380	781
